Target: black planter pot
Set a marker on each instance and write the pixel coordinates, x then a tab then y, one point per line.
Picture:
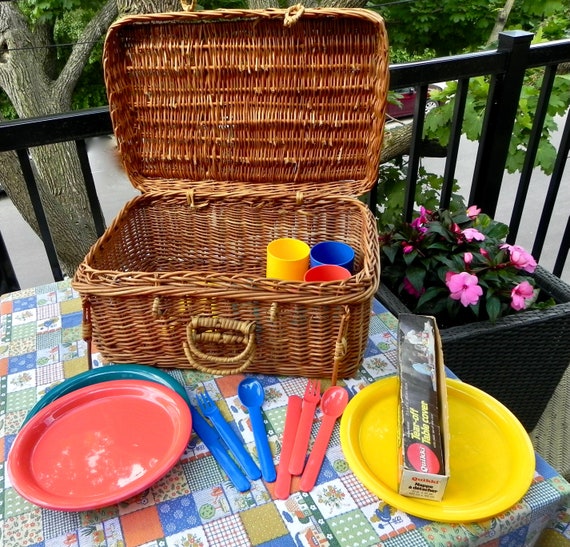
519	359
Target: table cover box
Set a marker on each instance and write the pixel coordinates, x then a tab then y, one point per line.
239	127
424	432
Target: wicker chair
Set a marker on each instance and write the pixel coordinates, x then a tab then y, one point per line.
551	437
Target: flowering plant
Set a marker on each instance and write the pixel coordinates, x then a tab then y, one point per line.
457	267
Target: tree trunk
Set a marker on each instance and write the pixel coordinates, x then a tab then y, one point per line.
501	21
264	4
397	140
27	77
132	7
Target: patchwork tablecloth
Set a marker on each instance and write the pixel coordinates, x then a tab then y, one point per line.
195	504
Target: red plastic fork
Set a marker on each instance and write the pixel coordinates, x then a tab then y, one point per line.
310	400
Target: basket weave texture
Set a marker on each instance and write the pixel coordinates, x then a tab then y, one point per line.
239	129
520	359
239	98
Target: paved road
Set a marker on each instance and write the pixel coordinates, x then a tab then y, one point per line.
25	247
32	268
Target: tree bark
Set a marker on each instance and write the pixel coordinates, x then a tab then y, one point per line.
26	75
132	7
397	139
501	21
264	4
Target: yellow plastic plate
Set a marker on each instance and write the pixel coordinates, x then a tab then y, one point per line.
491	456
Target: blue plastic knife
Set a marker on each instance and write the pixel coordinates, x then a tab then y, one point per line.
212	440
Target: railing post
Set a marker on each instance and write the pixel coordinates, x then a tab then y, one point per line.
8	280
500	113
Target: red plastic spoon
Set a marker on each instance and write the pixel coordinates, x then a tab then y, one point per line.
333	403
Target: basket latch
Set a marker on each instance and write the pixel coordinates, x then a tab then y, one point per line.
293	14
188	6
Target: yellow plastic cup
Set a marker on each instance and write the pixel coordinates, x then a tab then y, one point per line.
288	259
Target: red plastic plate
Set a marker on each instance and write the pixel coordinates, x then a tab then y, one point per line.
99	445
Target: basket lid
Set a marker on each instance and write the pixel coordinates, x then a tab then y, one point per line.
268	101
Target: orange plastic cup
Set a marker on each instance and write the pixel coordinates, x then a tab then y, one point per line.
327	272
288	259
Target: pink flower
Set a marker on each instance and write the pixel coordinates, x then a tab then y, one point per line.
468	258
473	211
520	294
471	234
410	289
419	222
464	287
407	248
520	258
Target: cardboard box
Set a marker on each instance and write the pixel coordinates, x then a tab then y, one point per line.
424	432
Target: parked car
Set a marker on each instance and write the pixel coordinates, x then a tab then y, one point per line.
406	97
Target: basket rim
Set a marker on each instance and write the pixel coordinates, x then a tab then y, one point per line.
89	280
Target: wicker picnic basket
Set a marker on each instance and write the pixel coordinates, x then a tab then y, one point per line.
239	127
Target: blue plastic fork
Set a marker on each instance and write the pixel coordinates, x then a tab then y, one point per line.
211	410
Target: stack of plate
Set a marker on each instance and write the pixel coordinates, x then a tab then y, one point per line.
100	437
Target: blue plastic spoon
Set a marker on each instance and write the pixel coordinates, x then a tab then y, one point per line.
251	394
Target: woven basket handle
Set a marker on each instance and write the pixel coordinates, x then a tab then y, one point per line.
219	330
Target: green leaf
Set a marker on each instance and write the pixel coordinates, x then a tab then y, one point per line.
410	257
390	251
431	301
493	307
546	157
416	276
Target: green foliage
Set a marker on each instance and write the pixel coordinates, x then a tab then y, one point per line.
49	11
448	27
90	89
391	192
398	55
549	17
444	26
215	4
6	109
437	125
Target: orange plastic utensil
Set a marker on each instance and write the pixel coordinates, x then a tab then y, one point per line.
333	403
283	482
310	400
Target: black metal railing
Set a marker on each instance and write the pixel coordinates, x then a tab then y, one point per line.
505	67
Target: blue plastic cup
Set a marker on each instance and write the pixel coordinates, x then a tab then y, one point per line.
332	252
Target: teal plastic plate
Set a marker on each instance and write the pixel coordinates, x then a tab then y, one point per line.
105	374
